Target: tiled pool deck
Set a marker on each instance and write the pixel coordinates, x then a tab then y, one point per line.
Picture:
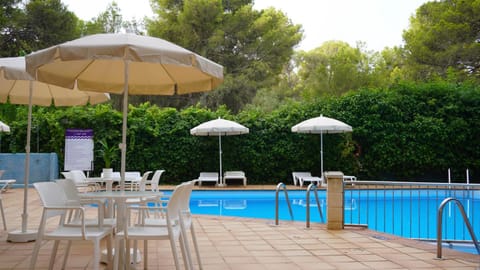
238	243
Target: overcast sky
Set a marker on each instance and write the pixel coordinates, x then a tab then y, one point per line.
379	23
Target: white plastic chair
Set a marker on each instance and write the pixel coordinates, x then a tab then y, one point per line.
186	222
155	181
80	179
141	187
172	232
56	205
143	182
72	195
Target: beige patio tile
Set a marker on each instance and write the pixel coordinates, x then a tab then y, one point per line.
315	266
283	266
350	265
235	243
326	252
249	266
338	258
383	265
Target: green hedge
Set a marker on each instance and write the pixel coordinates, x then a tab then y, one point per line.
409	132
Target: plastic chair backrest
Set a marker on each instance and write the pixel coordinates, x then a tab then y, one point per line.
51	194
78	176
186	194
174	205
69	188
143	181
156	179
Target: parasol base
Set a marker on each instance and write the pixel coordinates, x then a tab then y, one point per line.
22	237
104	257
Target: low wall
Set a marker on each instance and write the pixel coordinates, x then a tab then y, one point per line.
43	167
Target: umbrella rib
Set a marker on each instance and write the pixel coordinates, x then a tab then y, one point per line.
81	72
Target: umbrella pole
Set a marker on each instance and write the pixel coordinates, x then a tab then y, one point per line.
321	154
25	235
220	158
123	146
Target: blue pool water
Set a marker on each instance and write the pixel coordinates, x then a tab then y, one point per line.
384	211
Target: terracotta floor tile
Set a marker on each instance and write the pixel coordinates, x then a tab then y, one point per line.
228	243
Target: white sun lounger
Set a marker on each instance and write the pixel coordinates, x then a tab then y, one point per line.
301	177
349	178
6	183
207	177
230	175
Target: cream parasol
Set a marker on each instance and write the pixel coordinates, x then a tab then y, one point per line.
125	64
18	87
321	125
219	127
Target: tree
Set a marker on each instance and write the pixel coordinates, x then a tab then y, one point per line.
389	67
444	40
109	21
12	31
49	22
252	45
332	69
284	91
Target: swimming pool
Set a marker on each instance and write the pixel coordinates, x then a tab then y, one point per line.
385	211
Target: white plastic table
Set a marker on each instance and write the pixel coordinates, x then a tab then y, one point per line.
120	197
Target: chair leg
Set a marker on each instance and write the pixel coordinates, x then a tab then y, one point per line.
109	250
54	254
36	249
135	249
195	244
116	256
184	247
3	215
67	252
127	254
174	252
184	224
96	254
145	254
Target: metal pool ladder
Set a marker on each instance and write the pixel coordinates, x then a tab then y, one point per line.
282	185
439	225
313	187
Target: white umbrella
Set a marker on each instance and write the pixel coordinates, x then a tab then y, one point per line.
4	127
125	64
219	127
321	125
18	87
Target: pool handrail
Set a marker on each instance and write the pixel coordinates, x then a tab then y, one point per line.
312	187
439	225
404	183
282	185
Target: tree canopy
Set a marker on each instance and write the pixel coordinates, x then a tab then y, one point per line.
444	40
252	45
37	25
332	69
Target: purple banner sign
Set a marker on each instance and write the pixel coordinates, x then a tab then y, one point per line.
73	133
